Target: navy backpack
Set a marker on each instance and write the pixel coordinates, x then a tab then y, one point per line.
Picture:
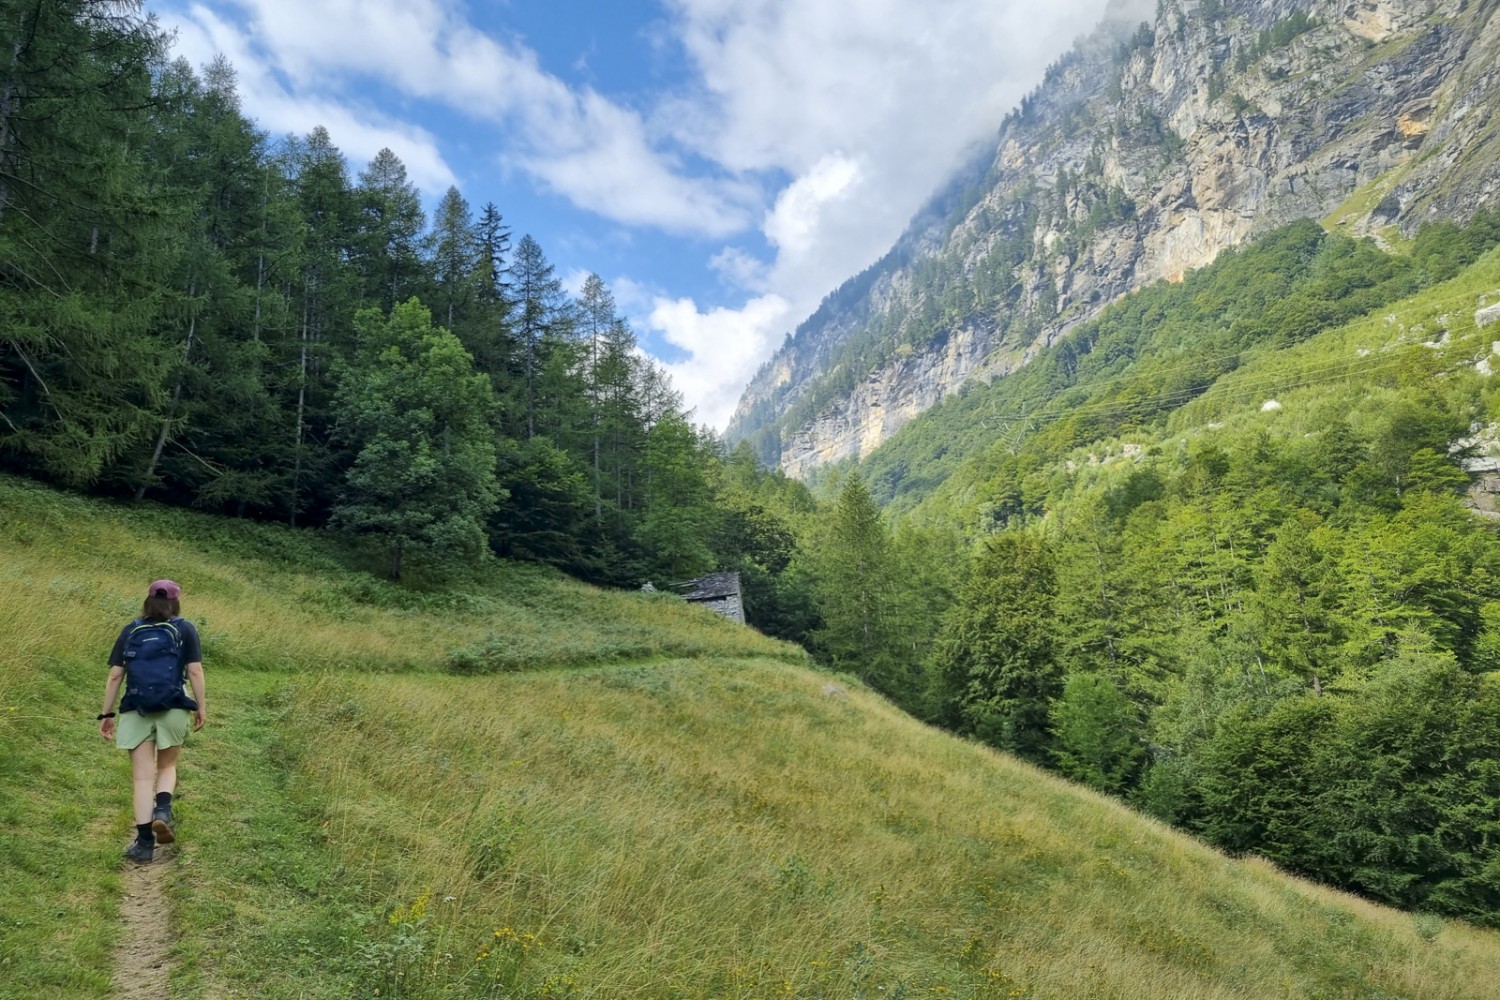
153	665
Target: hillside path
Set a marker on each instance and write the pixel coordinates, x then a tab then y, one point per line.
142	960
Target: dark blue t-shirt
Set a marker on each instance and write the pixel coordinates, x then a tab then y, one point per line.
192	652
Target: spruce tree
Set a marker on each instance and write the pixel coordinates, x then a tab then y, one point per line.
541	320
490	337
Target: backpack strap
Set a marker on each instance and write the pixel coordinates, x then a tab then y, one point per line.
141	623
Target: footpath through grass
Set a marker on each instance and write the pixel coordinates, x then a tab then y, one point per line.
273	606
703	820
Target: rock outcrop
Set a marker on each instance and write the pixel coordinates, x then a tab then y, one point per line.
1146	152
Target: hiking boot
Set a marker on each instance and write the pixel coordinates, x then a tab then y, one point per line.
139	852
161	824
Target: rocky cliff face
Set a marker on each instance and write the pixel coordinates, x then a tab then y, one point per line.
1147	151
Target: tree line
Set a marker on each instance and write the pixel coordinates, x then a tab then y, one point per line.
194	312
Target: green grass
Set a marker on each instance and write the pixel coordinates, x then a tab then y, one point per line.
701	821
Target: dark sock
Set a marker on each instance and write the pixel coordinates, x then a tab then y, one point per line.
143	833
163	799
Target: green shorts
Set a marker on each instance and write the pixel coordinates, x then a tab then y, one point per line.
168	729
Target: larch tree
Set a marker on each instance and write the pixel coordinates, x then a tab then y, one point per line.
82	234
456	261
596	320
389	241
852	565
326	298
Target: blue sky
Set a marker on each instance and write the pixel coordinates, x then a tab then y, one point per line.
721	164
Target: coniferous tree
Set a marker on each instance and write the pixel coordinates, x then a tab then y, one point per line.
619	408
234	455
596	323
492	340
541	322
457	264
208	155
325	299
389	239
853	569
82	235
676	518
494	252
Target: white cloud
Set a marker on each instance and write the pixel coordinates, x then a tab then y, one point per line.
793	225
740	269
572	282
867	104
358	131
723	347
597	155
858	108
579	144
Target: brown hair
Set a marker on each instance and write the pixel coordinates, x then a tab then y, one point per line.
161	608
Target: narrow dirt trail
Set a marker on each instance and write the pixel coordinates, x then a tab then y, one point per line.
143	958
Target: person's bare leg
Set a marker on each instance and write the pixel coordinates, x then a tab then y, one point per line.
166	769
143	773
166	781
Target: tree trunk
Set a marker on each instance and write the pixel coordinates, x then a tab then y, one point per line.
260	257
8	99
301	420
166	421
530	381
396	559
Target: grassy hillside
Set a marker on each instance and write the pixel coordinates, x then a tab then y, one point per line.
686	811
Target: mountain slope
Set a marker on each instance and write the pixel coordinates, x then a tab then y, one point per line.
1137	363
1142	156
721	825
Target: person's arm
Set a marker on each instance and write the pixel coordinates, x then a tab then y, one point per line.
111	689
195	678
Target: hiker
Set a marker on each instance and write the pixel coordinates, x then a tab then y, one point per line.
154	656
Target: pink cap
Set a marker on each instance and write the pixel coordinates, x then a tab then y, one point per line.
164	588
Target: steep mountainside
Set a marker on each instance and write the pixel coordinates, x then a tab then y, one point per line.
1146	151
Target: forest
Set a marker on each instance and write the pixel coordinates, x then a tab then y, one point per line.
1276	627
197	313
1222	563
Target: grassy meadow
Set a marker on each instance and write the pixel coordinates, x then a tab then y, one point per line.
504	784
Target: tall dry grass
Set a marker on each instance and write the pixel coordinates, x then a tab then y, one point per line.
268	602
725	829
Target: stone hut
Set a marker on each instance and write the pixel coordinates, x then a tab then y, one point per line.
719	592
